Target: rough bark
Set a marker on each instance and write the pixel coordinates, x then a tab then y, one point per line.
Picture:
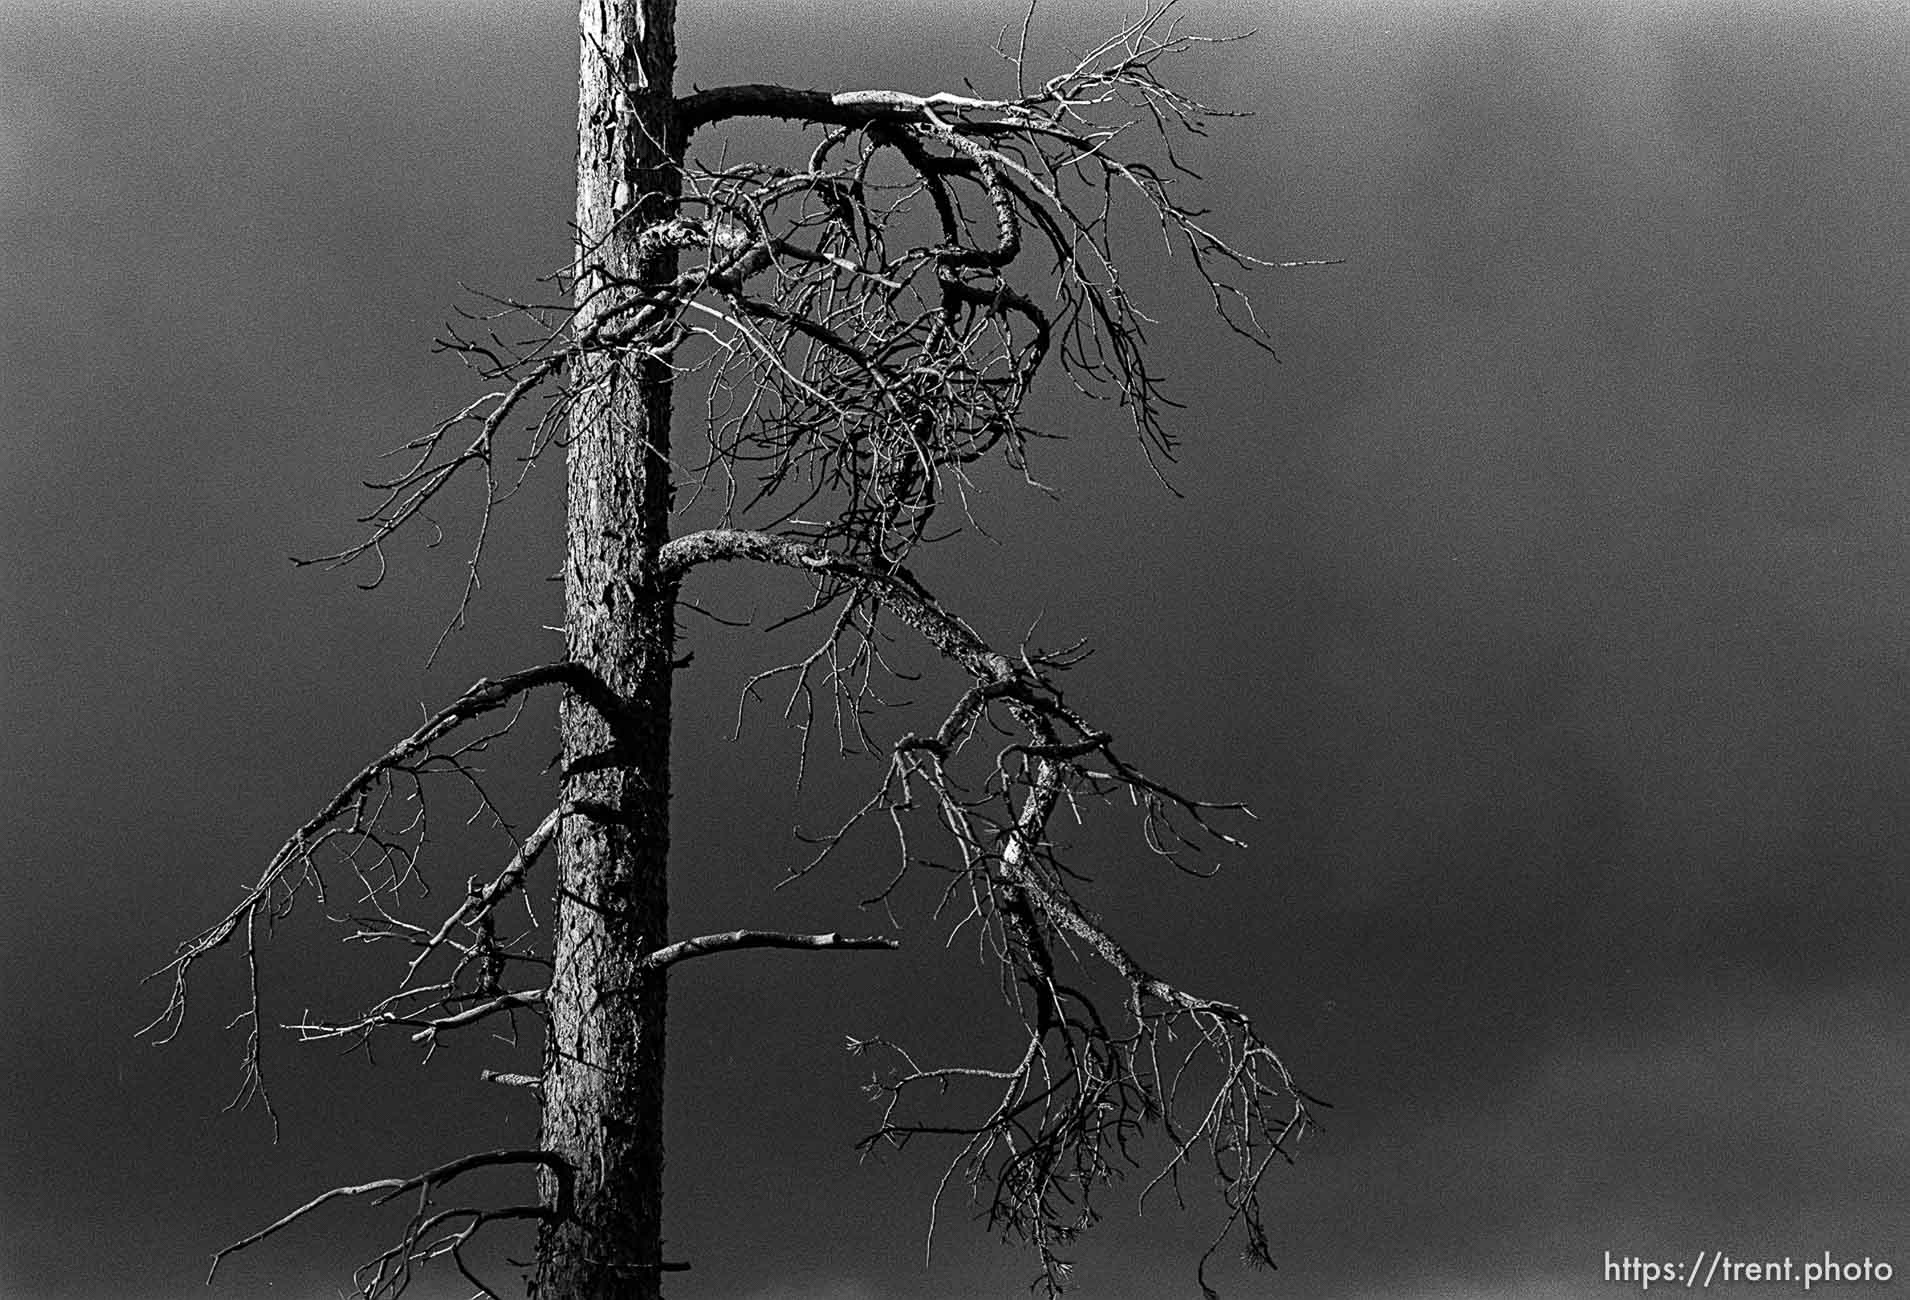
603	1073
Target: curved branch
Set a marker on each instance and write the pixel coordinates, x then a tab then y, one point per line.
387	1188
483	696
898	588
1074	1107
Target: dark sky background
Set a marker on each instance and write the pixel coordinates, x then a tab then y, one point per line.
1548	604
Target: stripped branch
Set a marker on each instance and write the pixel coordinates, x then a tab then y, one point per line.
504	1078
1074	1110
733	940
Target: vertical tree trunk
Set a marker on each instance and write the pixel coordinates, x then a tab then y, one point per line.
603	1072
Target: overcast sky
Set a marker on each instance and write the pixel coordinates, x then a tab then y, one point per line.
1548	603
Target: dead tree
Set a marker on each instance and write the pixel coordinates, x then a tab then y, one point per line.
864	325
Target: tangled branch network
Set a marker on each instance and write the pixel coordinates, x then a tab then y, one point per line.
864	328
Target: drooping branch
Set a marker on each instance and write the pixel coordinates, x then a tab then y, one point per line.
1087	1087
896	586
386	1276
272	894
1030	694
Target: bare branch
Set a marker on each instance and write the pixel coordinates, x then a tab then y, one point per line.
535	1082
504	1002
294	861
1073	1109
732	940
384	1189
479	901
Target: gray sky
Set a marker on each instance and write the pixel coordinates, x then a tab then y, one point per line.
1547	604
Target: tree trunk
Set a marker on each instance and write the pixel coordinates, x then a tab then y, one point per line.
603	1071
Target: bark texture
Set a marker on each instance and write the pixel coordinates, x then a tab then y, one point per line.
603	1073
